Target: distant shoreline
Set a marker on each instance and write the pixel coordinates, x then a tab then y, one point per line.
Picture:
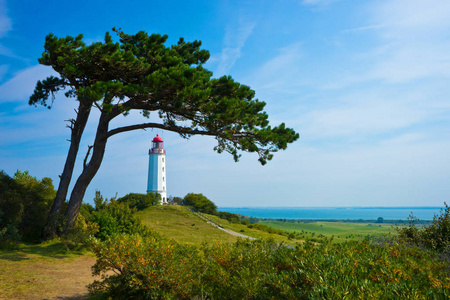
331	207
344	214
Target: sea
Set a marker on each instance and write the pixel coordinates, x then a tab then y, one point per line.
336	213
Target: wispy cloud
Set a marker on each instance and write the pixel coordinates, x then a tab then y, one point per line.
5	27
412	39
317	2
234	41
282	72
364	28
366	114
5	21
21	86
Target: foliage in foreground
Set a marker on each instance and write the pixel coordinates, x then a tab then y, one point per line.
108	218
24	205
435	236
153	269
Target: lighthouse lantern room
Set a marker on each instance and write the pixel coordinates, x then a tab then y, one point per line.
157	169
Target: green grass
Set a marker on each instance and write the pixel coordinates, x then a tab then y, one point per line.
339	231
180	224
255	233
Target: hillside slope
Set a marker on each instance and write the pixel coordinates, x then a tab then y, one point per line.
180	224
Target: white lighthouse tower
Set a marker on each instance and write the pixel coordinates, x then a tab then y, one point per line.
157	169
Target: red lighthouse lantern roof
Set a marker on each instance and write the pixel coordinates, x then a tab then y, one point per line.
157	139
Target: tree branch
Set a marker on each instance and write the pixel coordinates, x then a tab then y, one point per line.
178	129
86	157
72	124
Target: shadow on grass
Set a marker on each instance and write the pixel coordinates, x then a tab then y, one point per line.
14	257
76	297
53	250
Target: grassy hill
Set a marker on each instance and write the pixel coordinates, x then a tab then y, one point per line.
182	225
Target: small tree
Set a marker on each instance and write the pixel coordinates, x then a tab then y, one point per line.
175	200
140	201
24	202
139	72
200	203
436	236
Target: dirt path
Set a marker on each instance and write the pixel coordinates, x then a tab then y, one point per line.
224	229
32	276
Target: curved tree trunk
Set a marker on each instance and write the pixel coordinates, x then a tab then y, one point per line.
89	171
77	129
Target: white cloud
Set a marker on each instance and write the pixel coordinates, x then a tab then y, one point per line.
5	21
3	70
234	41
414	39
317	2
5	27
281	73
372	116
21	86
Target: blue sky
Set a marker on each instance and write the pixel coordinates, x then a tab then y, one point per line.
365	83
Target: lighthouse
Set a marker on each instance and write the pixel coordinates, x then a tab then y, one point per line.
157	169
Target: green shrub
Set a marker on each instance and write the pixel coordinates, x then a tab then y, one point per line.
266	228
9	234
436	236
25	203
78	236
140	201
233	218
200	203
152	268
136	268
115	218
245	221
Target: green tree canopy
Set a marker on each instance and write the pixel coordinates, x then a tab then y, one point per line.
200	203
169	83
24	202
140	201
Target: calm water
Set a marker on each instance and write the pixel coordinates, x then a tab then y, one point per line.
351	213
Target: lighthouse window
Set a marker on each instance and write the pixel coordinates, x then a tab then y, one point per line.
163	179
163	169
163	159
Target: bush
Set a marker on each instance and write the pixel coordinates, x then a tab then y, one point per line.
9	234
25	203
152	268
77	237
266	228
435	236
141	201
175	200
115	218
232	218
200	203
146	269
245	222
